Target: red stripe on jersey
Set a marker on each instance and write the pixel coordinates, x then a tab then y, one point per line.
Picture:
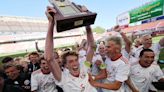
37	71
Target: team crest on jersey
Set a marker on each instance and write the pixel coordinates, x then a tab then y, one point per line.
16	82
26	82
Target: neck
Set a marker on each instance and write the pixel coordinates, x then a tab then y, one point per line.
45	72
147	46
115	56
141	64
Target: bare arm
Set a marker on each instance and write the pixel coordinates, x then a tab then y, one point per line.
111	86
90	40
102	74
37	48
131	85
49	45
128	43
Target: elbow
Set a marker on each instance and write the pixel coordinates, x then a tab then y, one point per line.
117	85
116	88
48	59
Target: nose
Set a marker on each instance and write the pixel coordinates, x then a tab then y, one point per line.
150	60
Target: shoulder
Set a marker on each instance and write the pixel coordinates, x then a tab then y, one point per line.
36	72
14	88
123	59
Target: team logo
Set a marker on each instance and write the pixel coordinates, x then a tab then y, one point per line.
26	82
16	82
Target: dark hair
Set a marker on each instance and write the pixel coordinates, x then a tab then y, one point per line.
145	50
68	53
6	66
66	49
7	59
42	58
33	53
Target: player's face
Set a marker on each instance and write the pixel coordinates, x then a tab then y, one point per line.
44	67
34	58
73	65
12	72
147	40
110	48
147	59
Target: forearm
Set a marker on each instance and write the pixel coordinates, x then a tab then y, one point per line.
55	69
131	85
49	43
110	86
101	75
90	40
128	43
49	53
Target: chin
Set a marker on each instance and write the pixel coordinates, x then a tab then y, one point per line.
76	74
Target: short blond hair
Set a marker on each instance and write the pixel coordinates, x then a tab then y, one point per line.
115	39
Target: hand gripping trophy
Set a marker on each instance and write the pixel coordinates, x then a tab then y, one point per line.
69	15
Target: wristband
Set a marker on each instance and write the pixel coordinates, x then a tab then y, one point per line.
88	64
102	66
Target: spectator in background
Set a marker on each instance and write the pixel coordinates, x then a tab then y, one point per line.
34	59
8	88
37	48
42	80
15	77
22	64
101	51
147	44
7	60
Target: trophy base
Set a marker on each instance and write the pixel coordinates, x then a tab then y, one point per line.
72	22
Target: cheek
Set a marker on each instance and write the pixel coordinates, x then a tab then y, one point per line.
68	66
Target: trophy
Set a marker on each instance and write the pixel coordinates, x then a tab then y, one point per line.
69	15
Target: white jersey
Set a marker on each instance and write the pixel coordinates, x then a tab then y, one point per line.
117	70
143	77
70	83
42	82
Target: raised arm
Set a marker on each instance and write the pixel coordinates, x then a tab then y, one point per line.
49	45
90	40
128	43
37	48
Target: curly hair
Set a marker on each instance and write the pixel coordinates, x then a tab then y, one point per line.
68	53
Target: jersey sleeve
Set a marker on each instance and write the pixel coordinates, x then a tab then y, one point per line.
122	73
